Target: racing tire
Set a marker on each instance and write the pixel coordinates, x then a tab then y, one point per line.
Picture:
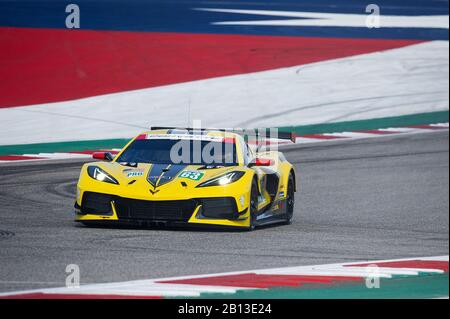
253	206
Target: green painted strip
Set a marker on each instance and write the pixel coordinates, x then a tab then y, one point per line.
62	146
397	121
372	124
425	285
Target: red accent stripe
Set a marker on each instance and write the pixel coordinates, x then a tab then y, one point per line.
426	264
18	158
141	137
40	295
50	65
252	280
230	140
322	137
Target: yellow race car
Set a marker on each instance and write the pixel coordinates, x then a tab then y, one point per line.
170	176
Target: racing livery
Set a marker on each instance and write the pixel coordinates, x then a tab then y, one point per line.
183	176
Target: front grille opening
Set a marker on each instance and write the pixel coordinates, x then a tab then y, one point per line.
145	210
221	208
180	210
96	203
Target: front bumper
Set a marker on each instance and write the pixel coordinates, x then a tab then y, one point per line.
213	210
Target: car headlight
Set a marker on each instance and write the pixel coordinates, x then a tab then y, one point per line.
97	173
222	180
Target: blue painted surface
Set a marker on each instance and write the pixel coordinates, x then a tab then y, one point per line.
179	16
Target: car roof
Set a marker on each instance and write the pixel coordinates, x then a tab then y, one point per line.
202	132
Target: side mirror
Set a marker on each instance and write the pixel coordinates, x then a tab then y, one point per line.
103	156
261	162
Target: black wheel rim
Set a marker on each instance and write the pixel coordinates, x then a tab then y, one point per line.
253	204
290	200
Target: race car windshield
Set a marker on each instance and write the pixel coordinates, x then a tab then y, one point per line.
188	152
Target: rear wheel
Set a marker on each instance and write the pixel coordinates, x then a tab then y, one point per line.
253	205
290	200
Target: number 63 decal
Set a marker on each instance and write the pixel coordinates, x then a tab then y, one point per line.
195	176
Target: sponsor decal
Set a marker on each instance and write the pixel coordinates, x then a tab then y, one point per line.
133	172
192	137
195	176
281	195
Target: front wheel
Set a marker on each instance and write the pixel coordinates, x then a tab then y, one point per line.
253	207
290	200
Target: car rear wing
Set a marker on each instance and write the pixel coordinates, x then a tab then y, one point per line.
258	133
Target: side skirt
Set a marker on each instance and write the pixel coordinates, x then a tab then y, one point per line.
269	216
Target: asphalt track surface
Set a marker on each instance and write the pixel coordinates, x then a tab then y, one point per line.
358	200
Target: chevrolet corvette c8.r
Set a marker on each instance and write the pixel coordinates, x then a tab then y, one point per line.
182	176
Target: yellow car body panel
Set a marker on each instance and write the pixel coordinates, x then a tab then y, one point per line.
133	185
